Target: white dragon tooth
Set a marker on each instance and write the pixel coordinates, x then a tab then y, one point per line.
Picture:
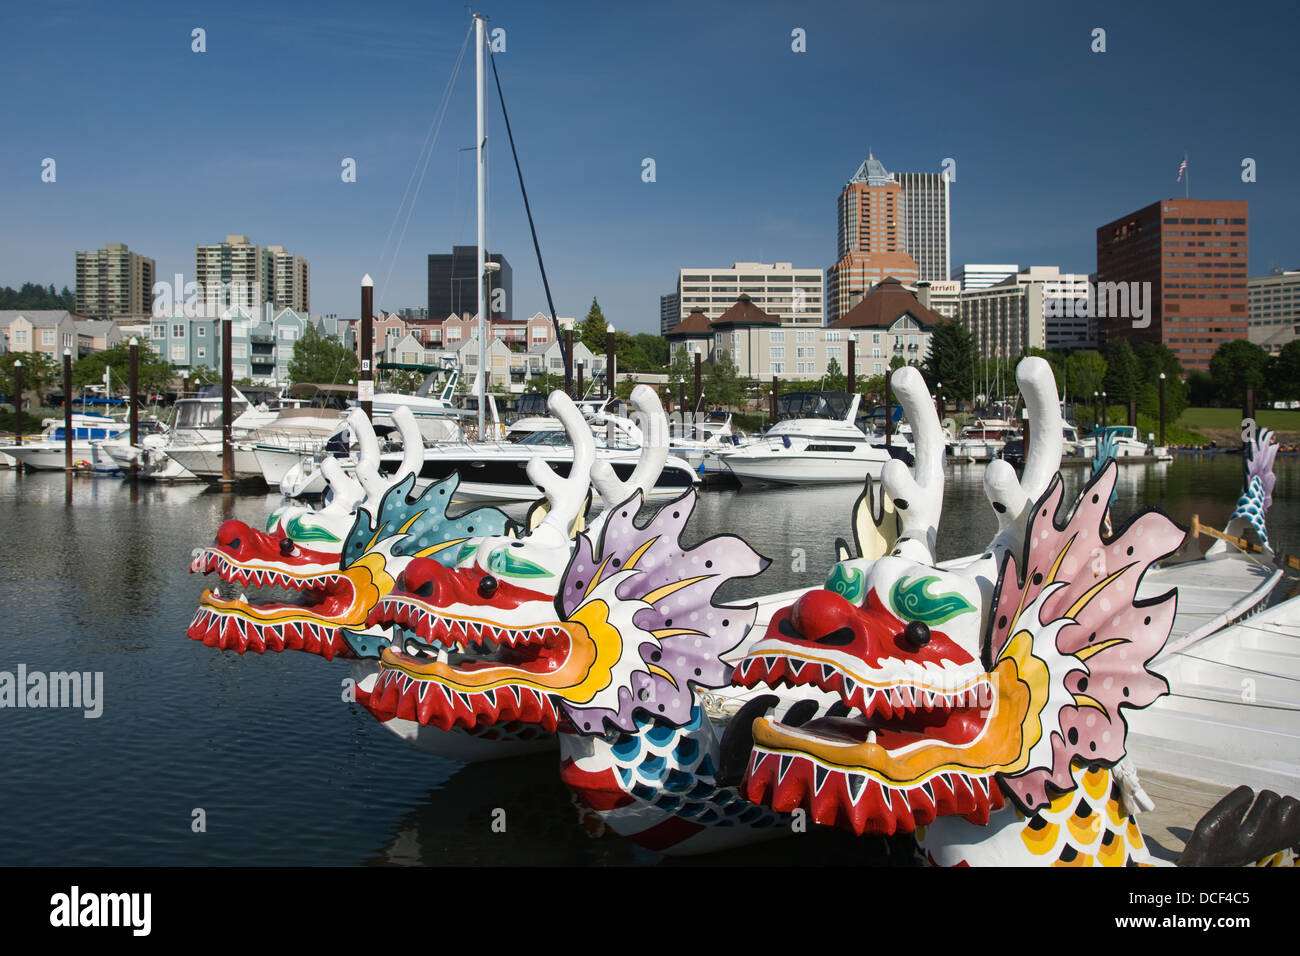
243	598
871	737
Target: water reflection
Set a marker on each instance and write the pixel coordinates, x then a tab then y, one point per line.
286	771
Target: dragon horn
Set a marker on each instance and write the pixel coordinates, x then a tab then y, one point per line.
654	452
566	495
348	493
917	494
412	445
1011	497
367	454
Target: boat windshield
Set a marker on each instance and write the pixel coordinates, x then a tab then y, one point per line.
192	413
813	405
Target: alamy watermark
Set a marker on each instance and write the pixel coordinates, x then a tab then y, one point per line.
195	300
1115	300
75	690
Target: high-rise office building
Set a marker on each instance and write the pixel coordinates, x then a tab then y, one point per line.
871	238
925	212
114	282
1193	252
453	288
670	312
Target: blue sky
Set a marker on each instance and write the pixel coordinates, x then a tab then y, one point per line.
163	148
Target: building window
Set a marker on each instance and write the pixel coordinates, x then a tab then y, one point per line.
47	336
178	331
289	334
178	353
775	336
238	350
777	352
778	368
202	353
159	331
201	332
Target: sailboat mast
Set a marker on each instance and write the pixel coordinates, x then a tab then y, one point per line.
480	90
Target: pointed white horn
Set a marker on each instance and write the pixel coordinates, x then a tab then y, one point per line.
1046	433
654	453
917	494
566	495
412	444
367	454
347	492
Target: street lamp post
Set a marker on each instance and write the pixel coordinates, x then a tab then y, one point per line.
1162	409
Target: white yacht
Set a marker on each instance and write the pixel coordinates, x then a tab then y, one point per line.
809	446
497	471
47	451
1125	440
193	448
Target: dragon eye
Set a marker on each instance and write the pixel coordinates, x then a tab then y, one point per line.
286	546
917	634
487	586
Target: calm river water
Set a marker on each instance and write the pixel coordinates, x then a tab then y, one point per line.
283	770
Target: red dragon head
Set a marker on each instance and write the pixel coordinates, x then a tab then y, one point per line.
958	685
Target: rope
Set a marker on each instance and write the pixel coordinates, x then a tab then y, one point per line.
555	322
421	164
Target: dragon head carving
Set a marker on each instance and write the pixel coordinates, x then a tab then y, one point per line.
960	686
327	569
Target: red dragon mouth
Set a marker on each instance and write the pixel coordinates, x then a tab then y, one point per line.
901	749
304	596
449	669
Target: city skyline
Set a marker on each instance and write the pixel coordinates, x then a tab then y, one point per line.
1049	139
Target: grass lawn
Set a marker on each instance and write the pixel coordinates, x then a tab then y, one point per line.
1198	419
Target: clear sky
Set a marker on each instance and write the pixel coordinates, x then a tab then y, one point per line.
163	148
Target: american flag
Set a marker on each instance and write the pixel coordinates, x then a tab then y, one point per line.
1181	169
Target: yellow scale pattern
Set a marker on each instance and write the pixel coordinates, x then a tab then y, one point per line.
1086	826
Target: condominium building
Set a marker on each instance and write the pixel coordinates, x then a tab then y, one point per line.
114	282
871	238
793	296
925	215
261	343
1038	307
1274	309
290	280
1193	253
981	276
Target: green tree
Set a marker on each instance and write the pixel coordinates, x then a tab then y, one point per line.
623	389
545	383
40	372
591	331
654	348
1200	389
154	373
1237	366
683	368
835	379
1121	382
1284	372
628	352
321	360
1085	373
951	359
722	383
33	296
